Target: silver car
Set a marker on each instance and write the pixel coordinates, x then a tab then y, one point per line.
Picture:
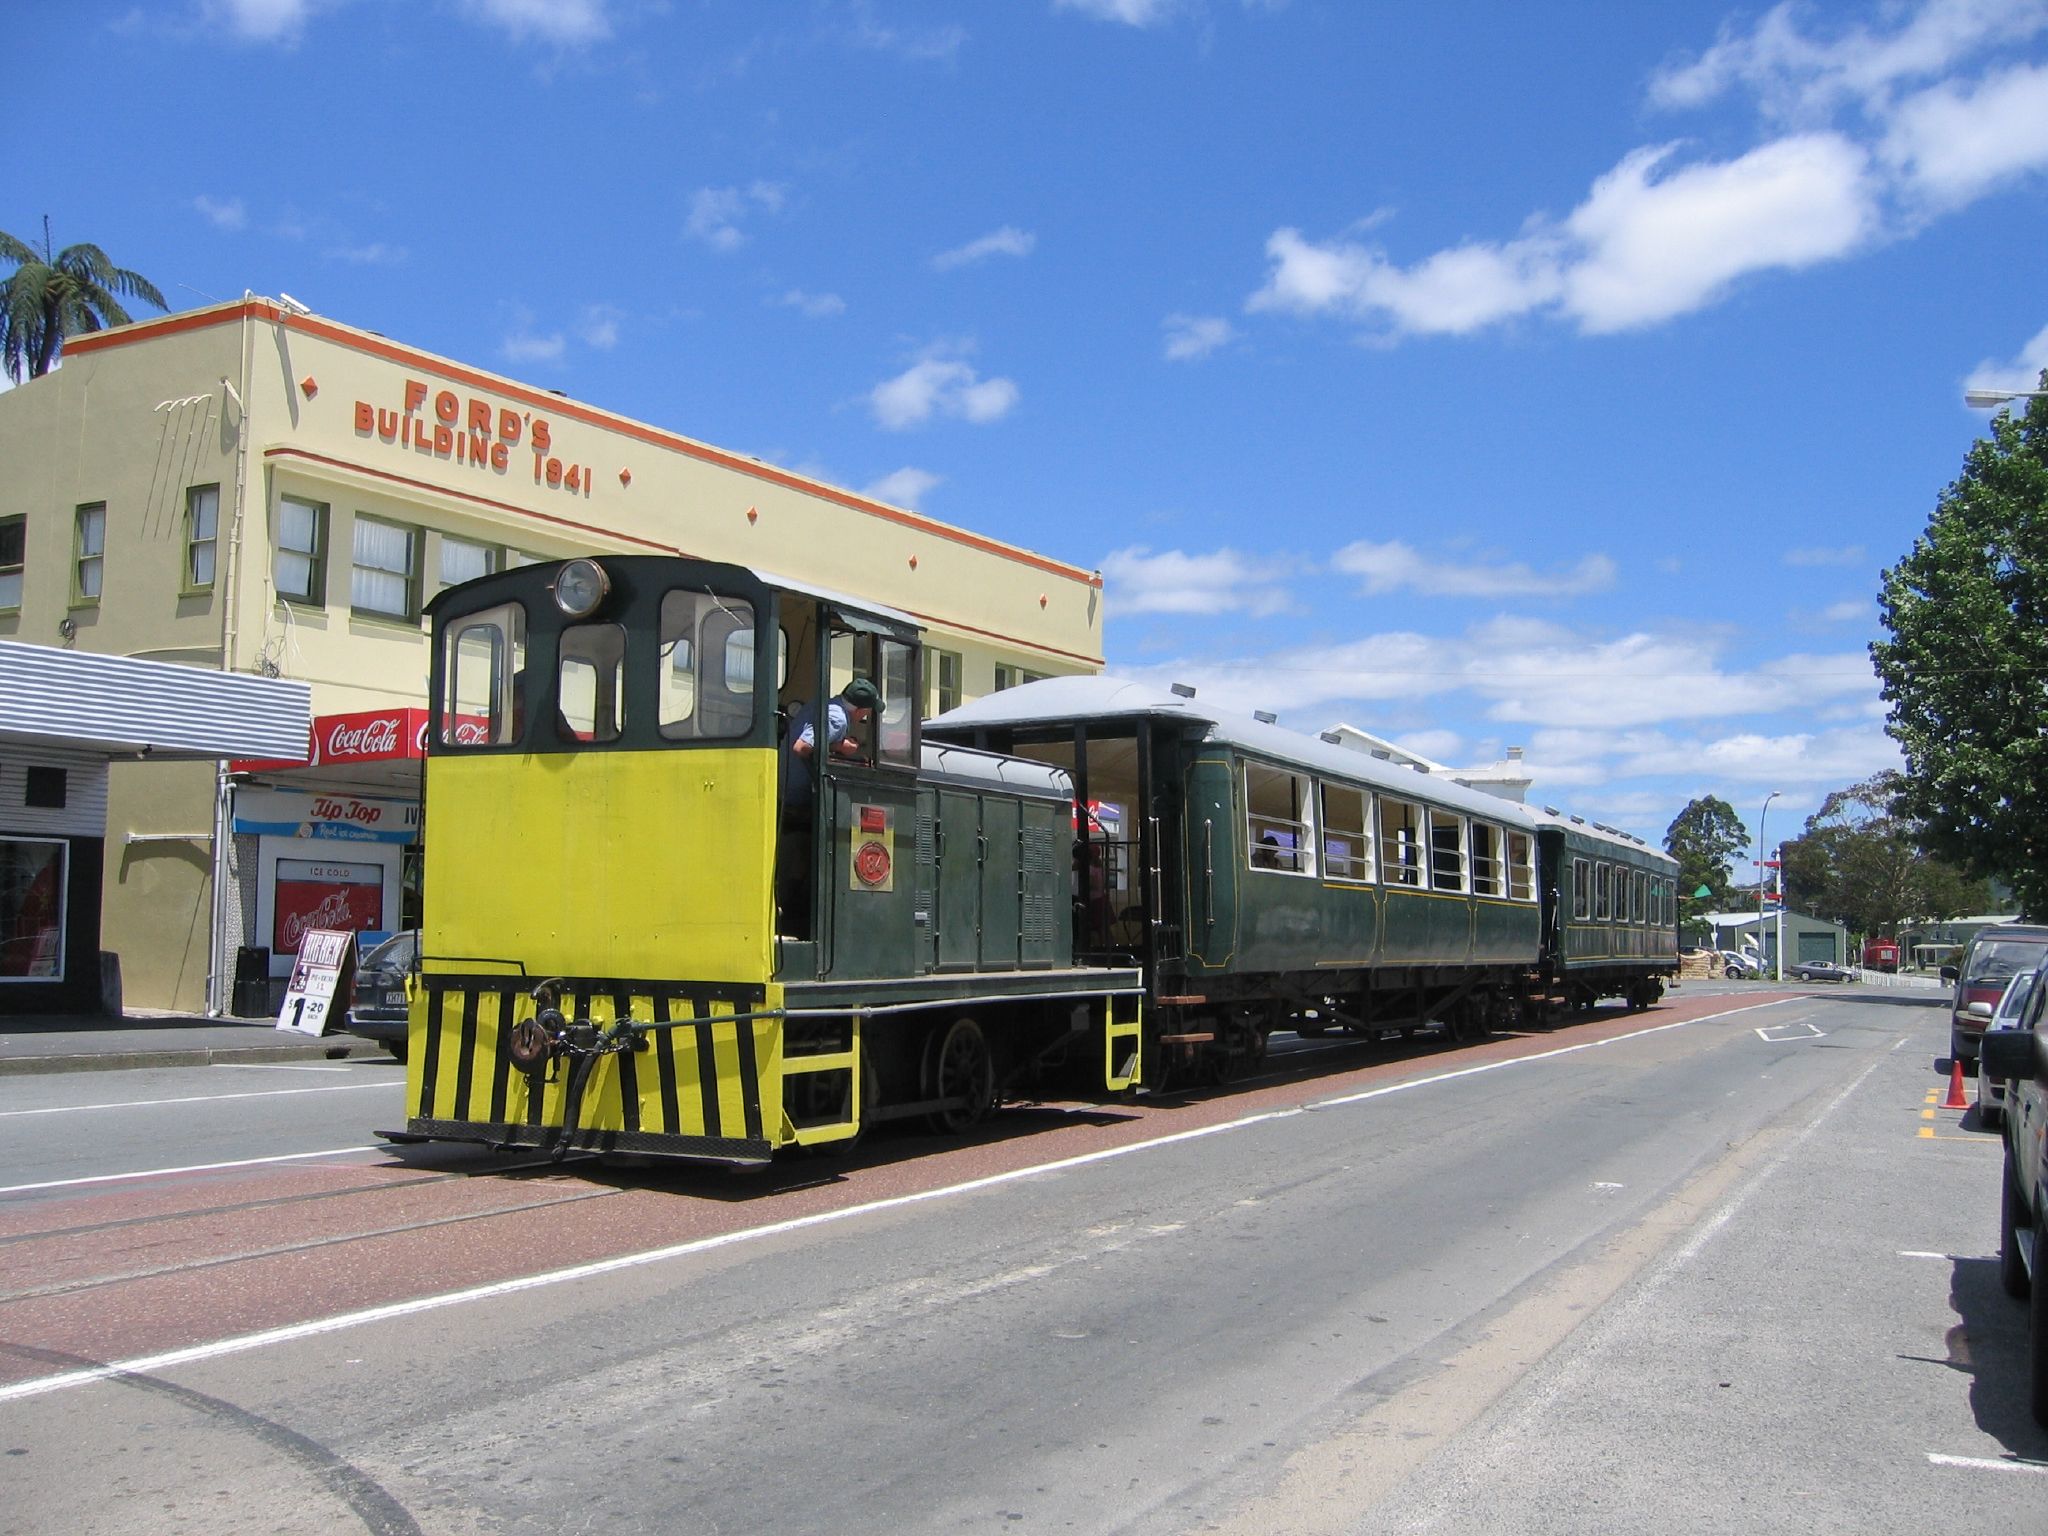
2005	1014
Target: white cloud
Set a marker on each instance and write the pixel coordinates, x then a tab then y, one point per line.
1191	337
905	487
1848	555
599	326
222	212
1847	612
819	306
1655	249
940	386
1795	74
2019	373
1138	581
262	21
917	46
1453	292
526	347
1007	241
1394	565
375	254
1132	13
1953	144
716	213
565	22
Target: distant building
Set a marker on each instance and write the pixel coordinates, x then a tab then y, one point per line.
1806	938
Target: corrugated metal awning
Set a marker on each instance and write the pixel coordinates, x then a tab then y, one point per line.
120	706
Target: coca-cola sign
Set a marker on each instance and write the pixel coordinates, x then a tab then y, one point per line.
355	739
366	736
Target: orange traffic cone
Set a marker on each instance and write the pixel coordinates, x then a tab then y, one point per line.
1956	1099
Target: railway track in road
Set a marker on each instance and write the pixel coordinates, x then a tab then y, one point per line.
132	1271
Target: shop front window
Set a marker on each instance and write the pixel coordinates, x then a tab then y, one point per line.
31	910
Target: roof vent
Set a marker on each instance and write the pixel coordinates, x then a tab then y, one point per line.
1383	754
1551	810
1579	820
1183	691
1332	738
1265	717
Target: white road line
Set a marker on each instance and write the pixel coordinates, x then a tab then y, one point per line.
197	1098
1774	1034
1988	1464
1912	1253
160	1173
292	1333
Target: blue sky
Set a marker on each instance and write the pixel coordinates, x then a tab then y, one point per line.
1545	375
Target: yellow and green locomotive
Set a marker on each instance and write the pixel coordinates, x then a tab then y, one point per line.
652	927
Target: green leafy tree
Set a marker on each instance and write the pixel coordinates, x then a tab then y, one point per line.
53	294
1966	668
1861	862
1703	838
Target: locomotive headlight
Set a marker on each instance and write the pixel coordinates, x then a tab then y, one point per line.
579	587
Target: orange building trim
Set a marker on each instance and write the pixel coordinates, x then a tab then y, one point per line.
560	406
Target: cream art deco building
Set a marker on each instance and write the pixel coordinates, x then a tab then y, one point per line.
263	491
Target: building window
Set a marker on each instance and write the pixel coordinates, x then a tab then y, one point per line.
944	668
385	577
1279	825
31	910
89	553
301	569
1347	835
202	522
1011	677
13	555
463	561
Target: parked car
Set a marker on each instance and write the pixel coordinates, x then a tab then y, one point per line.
377	1008
1994	957
1991	1088
2020	1055
1736	964
1819	970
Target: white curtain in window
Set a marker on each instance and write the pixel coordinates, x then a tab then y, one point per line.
382	581
204	505
92	542
464	561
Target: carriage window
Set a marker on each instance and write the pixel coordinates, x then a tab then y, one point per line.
1347	833
1446	851
1582	889
706	654
1603	885
1400	842
1279	824
1486	870
1636	881
897	676
482	674
591	684
1521	867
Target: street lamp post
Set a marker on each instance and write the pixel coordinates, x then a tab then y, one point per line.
1987	399
1763	818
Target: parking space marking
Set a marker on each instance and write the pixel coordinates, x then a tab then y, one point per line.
1988	1464
1799	1029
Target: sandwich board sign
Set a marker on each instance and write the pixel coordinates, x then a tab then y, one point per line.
326	957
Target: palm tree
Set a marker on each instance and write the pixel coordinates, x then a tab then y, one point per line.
54	294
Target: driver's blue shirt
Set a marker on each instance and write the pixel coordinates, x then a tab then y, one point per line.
796	767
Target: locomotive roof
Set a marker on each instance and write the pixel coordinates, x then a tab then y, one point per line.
1059	700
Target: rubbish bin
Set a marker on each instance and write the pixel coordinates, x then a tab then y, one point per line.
252	982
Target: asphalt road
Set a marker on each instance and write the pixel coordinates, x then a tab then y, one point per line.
1721	1266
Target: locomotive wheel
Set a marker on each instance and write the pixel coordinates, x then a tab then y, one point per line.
959	1065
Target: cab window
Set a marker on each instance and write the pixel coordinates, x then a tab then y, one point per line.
483	678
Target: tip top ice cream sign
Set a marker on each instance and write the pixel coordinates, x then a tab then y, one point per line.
440	424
